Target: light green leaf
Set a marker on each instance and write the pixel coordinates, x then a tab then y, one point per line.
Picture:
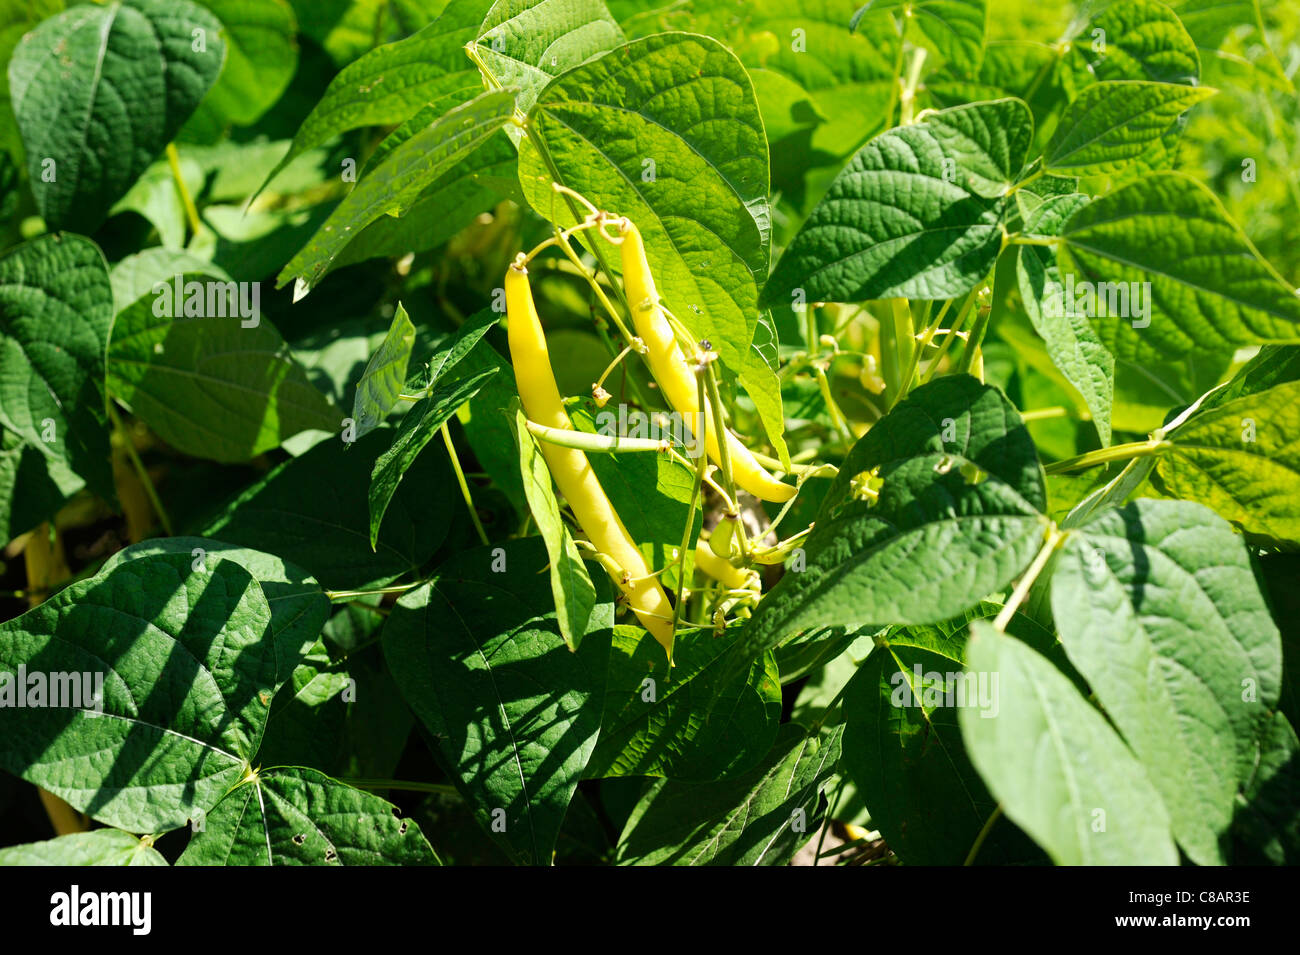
455	347
381	383
1242	458
312	511
762	817
955	27
1209	289
1111	124
1071	341
261	39
575	594
694	722
138	275
1158	607
156	198
301	817
392	82
913	214
1140	40
513	713
421	423
214	384
56	304
1058	769
938	505
102	847
100	91
395	185
187	660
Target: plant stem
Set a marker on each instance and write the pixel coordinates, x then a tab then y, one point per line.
191	212
950	336
931	329
1117	452
1054	538
149	489
994	816
464	485
724	453
701	464
973	341
343	596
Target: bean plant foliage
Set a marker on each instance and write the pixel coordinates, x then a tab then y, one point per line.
698	433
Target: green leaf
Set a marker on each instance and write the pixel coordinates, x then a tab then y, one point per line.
477	654
301	817
524	43
381	383
1272	365
1268	820
1242	459
1158	607
395	185
955	27
261	39
694	722
214	384
1209	289
101	847
903	745
32	486
666	131
154	197
188	665
914	214
939	504
1058	769
1072	343
421	423
1140	40
392	82
138	275
455	347
1111	124
56	304
762	817
312	511
575	594
100	91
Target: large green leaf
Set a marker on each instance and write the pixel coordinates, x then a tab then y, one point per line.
188	664
396	184
1242	458
575	594
1268	819
1158	607
1139	40
32	486
903	747
666	131
100	91
1071	341
916	213
941	503
214	385
1209	289
301	817
477	654
56	305
419	426
1111	124
392	82
762	817
1055	765
261	39
312	511
101	847
694	722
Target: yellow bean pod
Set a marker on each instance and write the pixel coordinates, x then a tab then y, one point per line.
676	375
723	571
570	468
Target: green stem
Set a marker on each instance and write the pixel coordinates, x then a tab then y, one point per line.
931	329
950	336
994	816
149	489
701	464
464	485
724	453
1055	537
191	212
974	340
344	596
1117	452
